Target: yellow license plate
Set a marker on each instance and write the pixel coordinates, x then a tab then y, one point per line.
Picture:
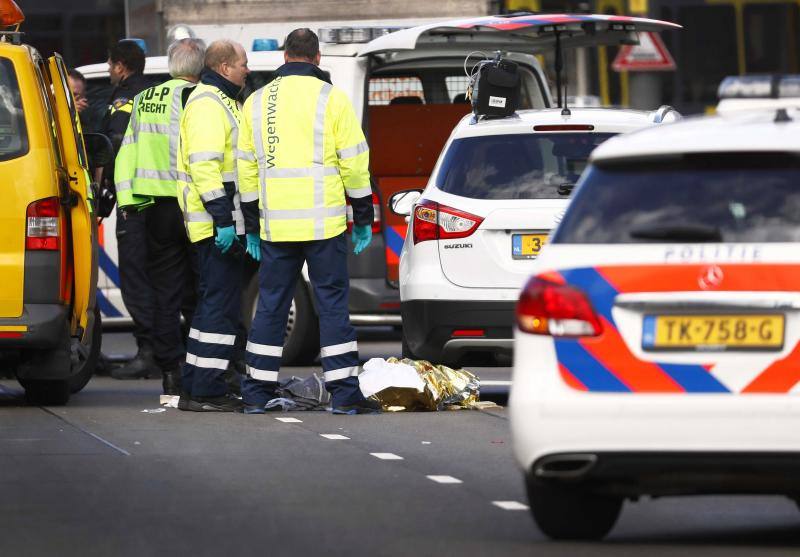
713	332
527	246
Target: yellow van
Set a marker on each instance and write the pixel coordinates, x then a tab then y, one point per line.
49	324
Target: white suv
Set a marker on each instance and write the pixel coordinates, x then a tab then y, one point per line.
658	342
498	189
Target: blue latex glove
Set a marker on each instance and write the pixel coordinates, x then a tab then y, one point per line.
226	236
254	245
362	236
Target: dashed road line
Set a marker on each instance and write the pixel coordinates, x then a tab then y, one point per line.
333	436
445	479
290	420
510	505
387	456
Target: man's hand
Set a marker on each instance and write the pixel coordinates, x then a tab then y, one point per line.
81	104
254	245
226	236
362	236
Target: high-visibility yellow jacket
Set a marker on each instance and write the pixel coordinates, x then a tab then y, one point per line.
208	190
146	164
301	148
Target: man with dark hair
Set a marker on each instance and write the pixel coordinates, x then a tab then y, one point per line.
125	67
302	153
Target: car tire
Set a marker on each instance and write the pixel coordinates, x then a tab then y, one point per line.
46	392
567	513
88	362
406	351
301	343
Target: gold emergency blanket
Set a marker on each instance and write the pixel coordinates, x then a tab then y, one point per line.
445	389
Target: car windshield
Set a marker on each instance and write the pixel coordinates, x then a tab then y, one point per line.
516	166
712	198
13	134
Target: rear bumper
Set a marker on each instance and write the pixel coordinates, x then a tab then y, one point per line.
428	327
45	328
672	473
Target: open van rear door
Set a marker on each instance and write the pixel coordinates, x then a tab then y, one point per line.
83	229
531	34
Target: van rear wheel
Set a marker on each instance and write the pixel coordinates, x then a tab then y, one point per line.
87	356
46	392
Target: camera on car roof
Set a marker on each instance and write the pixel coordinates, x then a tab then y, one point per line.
495	86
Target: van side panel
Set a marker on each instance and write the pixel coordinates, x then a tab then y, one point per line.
25	179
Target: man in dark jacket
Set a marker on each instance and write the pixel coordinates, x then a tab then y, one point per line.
125	68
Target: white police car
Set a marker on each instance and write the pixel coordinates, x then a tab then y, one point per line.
658	341
476	231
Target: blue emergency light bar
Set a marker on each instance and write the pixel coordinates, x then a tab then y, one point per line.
760	87
261	45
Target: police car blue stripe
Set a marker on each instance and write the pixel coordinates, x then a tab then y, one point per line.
600	292
106	307
108	267
393	240
586	369
694	379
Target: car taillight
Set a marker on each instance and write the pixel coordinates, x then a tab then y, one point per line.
376	220
548	308
43	225
434	221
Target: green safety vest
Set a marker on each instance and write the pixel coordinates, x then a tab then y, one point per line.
146	165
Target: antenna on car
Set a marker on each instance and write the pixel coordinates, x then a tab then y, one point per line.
559	66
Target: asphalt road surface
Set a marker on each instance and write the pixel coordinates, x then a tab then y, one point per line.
107	476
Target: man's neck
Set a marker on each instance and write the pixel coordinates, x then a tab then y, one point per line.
189	79
304	60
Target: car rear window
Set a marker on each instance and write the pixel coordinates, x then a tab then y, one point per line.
13	134
516	166
737	197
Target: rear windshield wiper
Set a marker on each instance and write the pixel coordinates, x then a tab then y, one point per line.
678	233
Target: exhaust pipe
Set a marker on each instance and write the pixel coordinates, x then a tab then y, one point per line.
565	466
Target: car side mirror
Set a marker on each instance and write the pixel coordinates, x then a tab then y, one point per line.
98	150
402	202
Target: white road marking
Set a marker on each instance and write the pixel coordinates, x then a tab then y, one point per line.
290	420
510	505
333	436
445	479
387	456
495	383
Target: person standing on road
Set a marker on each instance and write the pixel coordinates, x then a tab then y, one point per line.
216	217
146	177
302	148
125	68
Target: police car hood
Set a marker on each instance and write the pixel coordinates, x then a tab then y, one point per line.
530	34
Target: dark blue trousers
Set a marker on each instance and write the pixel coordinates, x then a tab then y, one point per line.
212	336
281	265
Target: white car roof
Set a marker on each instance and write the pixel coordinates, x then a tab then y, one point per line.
603	119
746	131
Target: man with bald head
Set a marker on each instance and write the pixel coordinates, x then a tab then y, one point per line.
217	219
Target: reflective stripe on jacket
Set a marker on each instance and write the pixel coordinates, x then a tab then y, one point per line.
207	184
301	148
146	165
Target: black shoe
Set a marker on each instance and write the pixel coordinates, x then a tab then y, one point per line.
171	381
365	406
140	367
225	403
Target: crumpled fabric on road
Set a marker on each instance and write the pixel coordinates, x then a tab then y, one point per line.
295	394
442	388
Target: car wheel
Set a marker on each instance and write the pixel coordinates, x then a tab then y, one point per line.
301	342
406	351
46	392
566	513
87	357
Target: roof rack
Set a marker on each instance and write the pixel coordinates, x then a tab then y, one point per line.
660	114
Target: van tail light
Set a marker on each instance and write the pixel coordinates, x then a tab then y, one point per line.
376	220
434	221
548	308
43	227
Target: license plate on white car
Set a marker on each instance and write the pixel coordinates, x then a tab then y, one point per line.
713	332
527	246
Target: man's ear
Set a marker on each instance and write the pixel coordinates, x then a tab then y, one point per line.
317	58
285	57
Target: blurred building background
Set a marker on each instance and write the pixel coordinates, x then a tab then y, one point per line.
720	37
